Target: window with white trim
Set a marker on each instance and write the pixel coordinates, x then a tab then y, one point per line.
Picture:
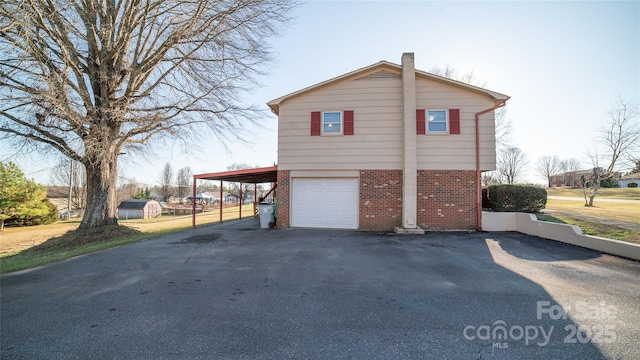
437	121
332	123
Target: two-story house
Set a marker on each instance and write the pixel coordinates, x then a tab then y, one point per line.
386	146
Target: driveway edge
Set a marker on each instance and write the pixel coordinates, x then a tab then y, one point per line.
570	234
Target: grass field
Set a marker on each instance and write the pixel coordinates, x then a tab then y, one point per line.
608	193
26	247
620	211
628	212
593	228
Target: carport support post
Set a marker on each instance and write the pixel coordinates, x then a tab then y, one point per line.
193	204
220	200
240	200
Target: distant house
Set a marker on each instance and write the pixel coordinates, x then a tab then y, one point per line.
139	209
571	178
204	198
232	198
629	181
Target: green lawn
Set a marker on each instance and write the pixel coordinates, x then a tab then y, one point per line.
627	212
594	228
27	247
609	193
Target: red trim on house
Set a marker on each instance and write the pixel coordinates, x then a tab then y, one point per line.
348	122
454	121
315	123
421	126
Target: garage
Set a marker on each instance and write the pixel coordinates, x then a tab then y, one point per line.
324	203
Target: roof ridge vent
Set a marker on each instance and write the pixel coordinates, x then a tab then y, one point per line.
382	74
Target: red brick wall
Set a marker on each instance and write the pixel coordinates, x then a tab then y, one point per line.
447	199
380	199
283	221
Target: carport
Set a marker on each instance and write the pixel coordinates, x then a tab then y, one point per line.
244	176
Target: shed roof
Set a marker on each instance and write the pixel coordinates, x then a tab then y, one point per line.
134	203
497	97
634	176
251	176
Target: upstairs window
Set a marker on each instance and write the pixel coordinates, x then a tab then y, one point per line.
437	121
332	123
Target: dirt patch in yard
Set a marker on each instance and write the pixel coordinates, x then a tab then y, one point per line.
14	240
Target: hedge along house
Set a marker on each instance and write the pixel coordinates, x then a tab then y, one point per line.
385	147
139	209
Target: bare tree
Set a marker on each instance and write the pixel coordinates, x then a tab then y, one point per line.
510	164
636	167
183	182
618	143
234	188
73	176
92	78
166	179
547	167
503	128
490	178
502	122
451	73
127	189
621	138
569	169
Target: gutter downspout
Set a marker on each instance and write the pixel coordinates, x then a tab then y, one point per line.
478	172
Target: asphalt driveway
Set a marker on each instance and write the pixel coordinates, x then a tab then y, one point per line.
238	292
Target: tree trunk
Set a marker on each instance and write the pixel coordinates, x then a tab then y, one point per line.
591	199
101	207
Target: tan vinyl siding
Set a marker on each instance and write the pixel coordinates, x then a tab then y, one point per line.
377	139
377	143
455	152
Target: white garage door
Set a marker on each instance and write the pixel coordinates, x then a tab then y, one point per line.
324	203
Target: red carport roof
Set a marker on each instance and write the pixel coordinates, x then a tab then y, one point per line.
251	176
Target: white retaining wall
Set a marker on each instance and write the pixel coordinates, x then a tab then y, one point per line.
570	234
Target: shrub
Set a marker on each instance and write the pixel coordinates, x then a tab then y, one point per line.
517	198
23	201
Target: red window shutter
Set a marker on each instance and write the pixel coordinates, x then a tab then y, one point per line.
315	123
348	122
454	121
420	122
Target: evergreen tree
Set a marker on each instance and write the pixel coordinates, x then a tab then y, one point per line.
23	201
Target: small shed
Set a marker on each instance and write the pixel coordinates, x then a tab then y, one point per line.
139	209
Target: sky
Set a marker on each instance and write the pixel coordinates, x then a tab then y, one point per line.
562	63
